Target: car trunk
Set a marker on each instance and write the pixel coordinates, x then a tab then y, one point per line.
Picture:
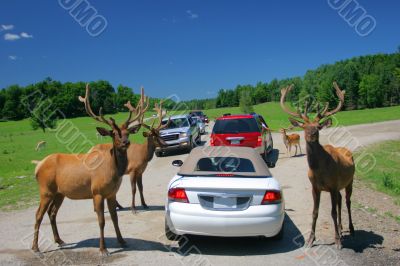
224	193
242	139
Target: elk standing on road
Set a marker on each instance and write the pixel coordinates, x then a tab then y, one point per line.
330	169
290	140
139	155
85	176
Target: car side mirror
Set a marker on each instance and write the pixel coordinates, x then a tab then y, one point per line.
177	163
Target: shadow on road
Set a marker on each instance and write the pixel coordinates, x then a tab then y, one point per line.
244	246
362	240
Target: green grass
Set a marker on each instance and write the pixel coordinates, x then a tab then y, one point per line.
385	176
18	142
276	118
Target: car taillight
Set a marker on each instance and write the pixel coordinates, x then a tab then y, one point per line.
178	194
259	140
212	141
271	197
224	175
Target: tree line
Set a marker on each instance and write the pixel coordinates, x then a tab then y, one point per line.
370	81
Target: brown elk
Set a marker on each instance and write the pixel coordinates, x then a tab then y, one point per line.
86	176
290	140
140	154
331	169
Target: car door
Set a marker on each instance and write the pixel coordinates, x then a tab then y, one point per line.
266	133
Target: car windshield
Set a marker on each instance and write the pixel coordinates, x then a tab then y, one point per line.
225	164
240	125
176	123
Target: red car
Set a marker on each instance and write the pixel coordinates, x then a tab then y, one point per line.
248	130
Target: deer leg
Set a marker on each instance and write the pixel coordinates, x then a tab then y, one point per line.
133	186
112	204
140	186
45	201
300	149
316	198
290	150
98	202
349	190
334	202
339	205
52	212
295	153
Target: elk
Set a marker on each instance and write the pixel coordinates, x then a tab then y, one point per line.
290	140
331	169
139	155
86	176
40	145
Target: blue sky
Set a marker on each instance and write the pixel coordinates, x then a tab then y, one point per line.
191	48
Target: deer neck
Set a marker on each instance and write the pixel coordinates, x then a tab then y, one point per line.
151	147
315	153
120	159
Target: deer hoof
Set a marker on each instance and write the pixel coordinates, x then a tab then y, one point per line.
39	254
310	241
134	211
145	206
104	253
338	244
352	233
61	243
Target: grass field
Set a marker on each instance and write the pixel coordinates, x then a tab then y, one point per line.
385	176
18	141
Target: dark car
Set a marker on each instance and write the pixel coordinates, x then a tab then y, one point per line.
200	114
247	130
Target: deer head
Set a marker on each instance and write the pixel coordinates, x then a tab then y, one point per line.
153	132
119	134
321	120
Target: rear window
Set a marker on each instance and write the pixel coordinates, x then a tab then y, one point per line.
240	125
197	113
225	164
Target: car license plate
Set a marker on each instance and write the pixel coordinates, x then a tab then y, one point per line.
224	203
235	142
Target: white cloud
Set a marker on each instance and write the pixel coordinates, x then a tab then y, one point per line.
11	37
6	27
26	35
12	57
191	14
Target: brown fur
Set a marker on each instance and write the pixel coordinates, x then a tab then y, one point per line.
331	169
290	140
94	176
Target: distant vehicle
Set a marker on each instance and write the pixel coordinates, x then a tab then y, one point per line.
230	193
247	130
182	133
200	114
200	124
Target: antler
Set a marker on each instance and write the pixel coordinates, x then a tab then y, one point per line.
90	112
160	116
138	111
300	115
340	93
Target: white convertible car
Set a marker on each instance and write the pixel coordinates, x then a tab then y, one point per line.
224	191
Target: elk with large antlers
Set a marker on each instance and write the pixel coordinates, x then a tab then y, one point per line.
94	176
139	155
331	169
290	140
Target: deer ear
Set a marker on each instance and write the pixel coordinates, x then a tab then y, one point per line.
326	123
104	132
296	123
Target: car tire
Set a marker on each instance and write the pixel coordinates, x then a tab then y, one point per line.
168	233
159	153
190	146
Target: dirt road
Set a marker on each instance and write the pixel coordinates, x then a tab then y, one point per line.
375	241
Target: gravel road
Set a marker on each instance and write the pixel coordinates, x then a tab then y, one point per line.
144	231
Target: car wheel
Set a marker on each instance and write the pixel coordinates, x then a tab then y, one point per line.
190	146
279	236
168	233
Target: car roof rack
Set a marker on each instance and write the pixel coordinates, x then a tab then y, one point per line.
227	114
